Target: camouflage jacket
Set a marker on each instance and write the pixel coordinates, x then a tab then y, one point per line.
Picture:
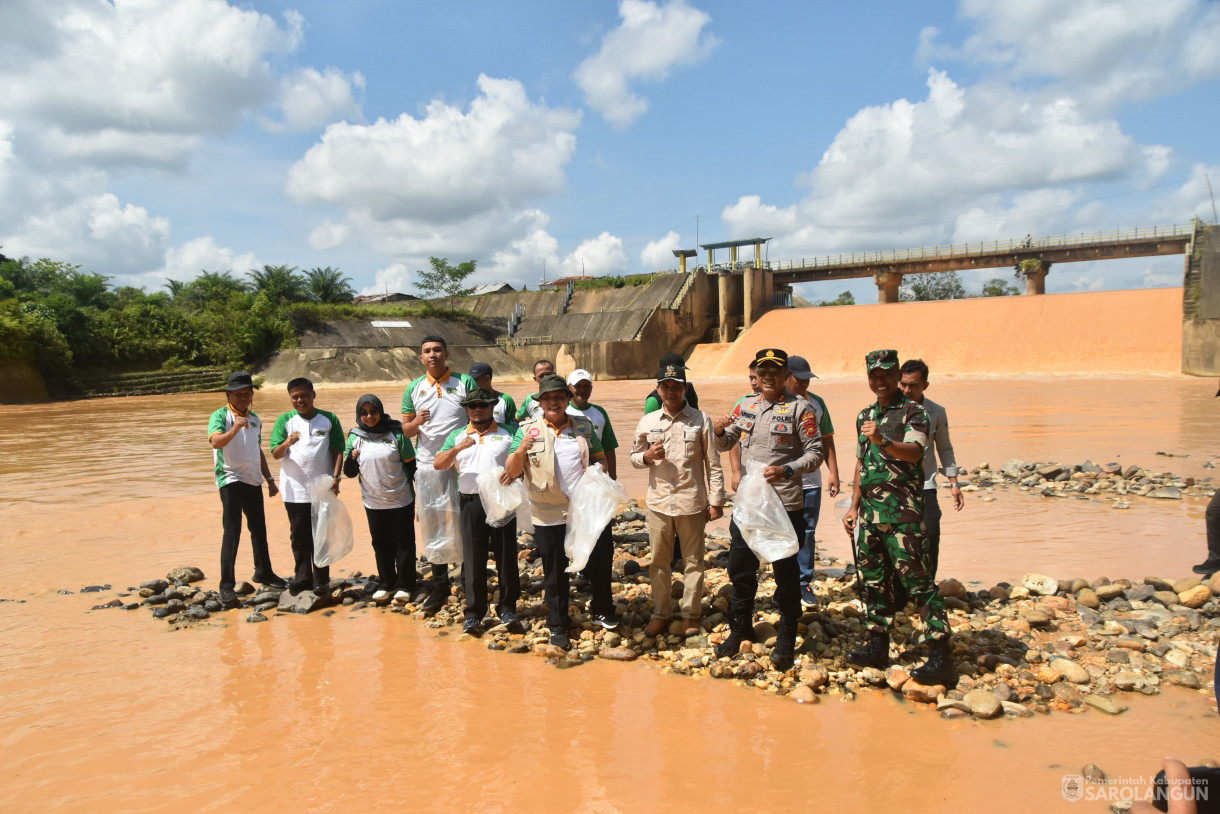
891	490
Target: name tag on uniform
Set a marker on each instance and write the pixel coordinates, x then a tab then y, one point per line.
655	435
690	434
748	414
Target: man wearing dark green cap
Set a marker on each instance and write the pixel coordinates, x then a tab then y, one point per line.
472	450
779	431
886	521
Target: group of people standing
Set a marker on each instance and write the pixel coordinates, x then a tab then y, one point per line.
459	426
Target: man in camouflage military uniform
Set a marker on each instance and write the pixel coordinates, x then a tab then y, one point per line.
886	520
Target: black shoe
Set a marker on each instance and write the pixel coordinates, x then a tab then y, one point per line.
272	581
559	638
472	627
607	620
512	621
228	597
436	599
784	652
741	631
808	598
295	586
1206	568
874	654
938	669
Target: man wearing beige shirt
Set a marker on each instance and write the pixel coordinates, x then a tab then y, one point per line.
685	491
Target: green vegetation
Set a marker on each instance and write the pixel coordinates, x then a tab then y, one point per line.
65	322
846	298
444	279
941	285
999	287
612	282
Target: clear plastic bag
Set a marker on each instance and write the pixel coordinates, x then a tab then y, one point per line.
332	525
436	505
500	502
761	517
591	506
525	514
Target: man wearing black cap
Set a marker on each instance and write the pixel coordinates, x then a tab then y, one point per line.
799	375
235	432
652	402
1212	517
553	451
481	445
685	491
505	411
780	432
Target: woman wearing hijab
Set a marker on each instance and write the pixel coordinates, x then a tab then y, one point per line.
383	458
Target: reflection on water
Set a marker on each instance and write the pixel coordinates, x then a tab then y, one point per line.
110	710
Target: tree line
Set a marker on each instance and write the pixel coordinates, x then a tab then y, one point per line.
938	285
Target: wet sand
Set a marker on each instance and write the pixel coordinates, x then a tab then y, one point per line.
110	710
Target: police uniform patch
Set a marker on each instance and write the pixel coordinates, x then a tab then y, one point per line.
783	409
781	427
533	432
810	426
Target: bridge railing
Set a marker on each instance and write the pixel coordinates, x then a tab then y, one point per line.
1028	244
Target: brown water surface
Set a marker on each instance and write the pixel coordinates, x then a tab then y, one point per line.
110	710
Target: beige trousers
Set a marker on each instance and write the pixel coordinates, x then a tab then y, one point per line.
661	531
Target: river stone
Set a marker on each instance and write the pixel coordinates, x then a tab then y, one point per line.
1166	493
1036	618
1183	585
951	588
923	693
1183	678
1005	692
1129	681
1048	675
1195	597
175	605
619	654
1015	710
157	586
1166	598
871	676
749	670
896	677
1109	592
814	676
1040	584
1214	583
764	631
803	694
198	613
243	589
304	602
1072	671
954	713
1088	598
255	617
185	573
983	703
943	704
1106	704
1159	583
114	603
1068	693
1139	593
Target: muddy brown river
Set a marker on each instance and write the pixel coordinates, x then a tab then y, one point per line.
111	711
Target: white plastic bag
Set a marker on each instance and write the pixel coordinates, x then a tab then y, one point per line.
436	504
332	525
761	517
500	502
591	506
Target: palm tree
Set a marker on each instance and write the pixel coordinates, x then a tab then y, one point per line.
176	288
281	284
329	285
211	285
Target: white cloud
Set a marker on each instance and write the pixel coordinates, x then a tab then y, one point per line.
597	257
394	279
659	254
523	261
310	98
328	235
185	262
1119	50
651	41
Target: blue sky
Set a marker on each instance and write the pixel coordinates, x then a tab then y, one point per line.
150	139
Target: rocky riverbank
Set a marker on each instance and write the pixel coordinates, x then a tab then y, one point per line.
1030	647
1110	482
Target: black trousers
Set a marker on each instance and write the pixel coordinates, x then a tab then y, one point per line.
598	571
300	531
393	533
931	524
549	540
237	499
478	541
1212	516
743	572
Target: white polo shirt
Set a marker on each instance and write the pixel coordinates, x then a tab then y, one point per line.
490	450
311	455
443	398
240	461
383	480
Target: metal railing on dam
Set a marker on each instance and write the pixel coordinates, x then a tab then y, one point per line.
1080	246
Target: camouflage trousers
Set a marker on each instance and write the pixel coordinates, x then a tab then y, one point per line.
895	559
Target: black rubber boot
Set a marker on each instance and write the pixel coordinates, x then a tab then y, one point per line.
785	645
740	631
874	654
938	669
436	597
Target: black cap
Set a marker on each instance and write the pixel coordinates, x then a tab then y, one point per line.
479	396
771	356
799	368
671	372
480	369
239	381
552	382
676	359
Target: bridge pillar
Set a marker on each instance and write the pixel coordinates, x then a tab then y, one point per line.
1035	275
747	298
887	285
722	289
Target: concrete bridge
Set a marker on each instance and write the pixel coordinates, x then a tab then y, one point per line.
1033	255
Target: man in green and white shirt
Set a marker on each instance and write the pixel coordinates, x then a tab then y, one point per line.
505	411
431	410
531	407
480	446
235	432
307	442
